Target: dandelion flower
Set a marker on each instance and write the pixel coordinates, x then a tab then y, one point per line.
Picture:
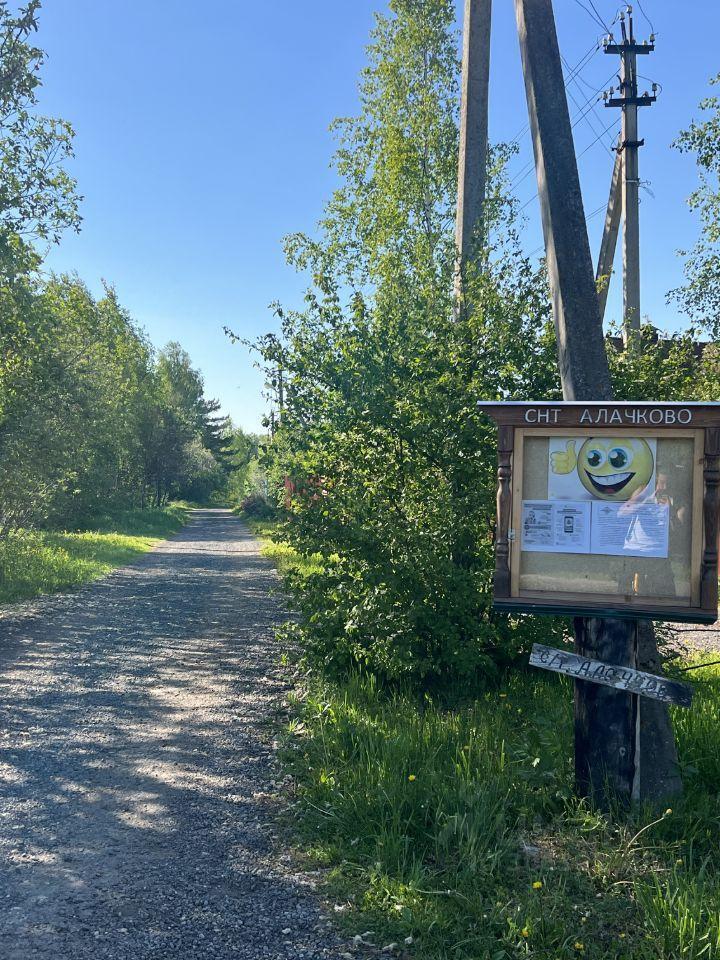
412	777
525	932
579	946
537	885
622	935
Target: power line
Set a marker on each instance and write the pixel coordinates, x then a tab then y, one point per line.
594	16
581	154
599	136
650	23
584	109
600	18
588	218
574	72
586	116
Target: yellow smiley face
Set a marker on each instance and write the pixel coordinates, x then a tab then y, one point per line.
614	468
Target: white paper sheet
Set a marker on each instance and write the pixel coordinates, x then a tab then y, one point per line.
630	530
556	527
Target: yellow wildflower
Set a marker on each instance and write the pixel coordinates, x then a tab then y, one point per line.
668	811
412	777
525	932
579	946
537	885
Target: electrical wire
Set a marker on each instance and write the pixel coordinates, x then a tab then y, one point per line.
600	18
528	168
586	116
574	72
588	218
581	154
641	76
594	16
650	23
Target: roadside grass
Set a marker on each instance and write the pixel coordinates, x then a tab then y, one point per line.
451	831
287	560
456	827
35	562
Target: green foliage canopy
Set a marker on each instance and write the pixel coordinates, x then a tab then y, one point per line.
700	297
391	470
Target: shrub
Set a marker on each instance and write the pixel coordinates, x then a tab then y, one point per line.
257	507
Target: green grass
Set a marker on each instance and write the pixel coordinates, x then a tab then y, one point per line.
35	562
455	828
287	560
437	822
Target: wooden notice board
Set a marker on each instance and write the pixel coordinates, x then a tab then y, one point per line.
608	509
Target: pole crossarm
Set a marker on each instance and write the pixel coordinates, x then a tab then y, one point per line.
645	100
629	47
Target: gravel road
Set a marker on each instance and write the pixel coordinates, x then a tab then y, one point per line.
137	791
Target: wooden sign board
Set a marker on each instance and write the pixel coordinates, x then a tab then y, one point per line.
608	509
622	678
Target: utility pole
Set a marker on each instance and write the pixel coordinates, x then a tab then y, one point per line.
606	257
606	727
472	160
629	101
582	359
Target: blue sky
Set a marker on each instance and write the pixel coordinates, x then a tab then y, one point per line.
202	139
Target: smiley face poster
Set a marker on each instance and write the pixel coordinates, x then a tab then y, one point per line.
611	469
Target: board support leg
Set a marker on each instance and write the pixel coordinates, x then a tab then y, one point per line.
605	718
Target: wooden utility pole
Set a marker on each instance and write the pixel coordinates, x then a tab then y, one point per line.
472	162
606	730
629	101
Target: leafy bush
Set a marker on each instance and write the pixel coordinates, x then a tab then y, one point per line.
384	466
258	507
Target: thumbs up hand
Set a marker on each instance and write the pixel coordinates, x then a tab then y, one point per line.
564	462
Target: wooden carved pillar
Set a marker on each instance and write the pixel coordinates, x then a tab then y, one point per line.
501	579
708	574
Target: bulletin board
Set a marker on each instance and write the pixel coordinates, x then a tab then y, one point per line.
608	519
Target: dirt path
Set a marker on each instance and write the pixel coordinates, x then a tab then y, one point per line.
136	790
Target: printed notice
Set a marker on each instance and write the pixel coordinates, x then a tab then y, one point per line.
556	527
630	529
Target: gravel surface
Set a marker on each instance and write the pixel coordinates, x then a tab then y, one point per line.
137	790
695	637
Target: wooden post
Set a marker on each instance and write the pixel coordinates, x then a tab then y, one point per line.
605	719
501	580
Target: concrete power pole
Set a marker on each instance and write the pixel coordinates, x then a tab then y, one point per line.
606	722
606	257
629	101
472	161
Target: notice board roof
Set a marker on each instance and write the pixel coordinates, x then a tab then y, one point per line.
610	413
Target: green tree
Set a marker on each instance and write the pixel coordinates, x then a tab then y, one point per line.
391	467
700	297
183	439
37	196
